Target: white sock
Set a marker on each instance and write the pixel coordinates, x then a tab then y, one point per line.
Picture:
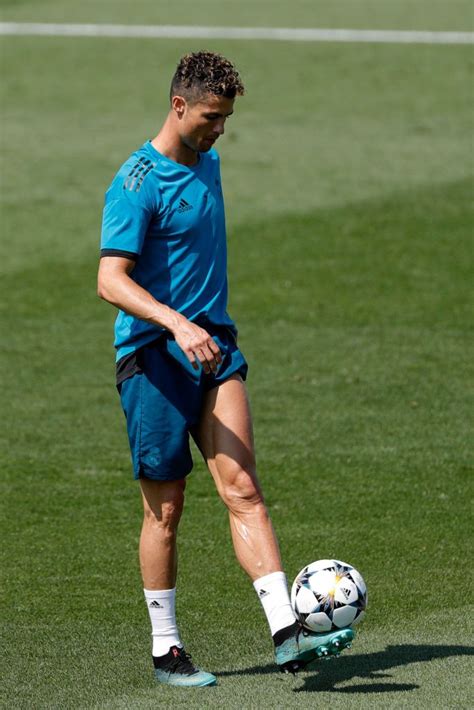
272	591
161	607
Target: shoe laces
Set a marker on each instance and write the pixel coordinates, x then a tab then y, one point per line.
302	631
182	663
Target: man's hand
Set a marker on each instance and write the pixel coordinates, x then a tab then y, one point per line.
197	345
116	286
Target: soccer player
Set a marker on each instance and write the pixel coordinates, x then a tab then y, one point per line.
179	367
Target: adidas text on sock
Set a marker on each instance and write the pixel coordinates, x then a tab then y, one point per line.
272	590
161	608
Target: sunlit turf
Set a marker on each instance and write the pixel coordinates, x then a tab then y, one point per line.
354	313
362	442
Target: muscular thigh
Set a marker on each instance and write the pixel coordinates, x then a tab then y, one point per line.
225	434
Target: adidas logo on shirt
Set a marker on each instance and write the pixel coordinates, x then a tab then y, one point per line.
184	206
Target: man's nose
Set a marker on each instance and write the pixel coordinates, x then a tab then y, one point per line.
220	128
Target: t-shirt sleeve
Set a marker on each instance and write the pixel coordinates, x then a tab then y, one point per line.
124	224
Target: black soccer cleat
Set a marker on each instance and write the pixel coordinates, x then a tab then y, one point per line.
177	668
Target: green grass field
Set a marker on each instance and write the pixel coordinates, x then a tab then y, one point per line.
348	180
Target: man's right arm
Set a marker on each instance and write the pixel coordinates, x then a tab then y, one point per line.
115	286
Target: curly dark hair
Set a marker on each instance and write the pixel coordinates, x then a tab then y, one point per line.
201	73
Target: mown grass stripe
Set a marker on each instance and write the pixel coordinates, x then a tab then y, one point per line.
240	33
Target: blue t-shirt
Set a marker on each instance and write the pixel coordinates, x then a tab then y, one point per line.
169	218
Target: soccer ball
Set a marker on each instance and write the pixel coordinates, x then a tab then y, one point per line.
328	595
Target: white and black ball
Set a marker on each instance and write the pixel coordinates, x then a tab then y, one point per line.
328	595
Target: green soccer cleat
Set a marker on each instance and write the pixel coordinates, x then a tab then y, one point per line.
177	668
296	646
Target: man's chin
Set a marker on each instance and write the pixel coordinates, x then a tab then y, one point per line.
206	145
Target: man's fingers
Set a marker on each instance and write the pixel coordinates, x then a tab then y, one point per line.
214	348
204	363
213	354
190	355
207	359
196	356
204	350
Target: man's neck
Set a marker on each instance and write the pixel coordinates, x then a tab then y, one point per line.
168	143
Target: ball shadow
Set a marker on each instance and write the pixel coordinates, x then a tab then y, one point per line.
326	675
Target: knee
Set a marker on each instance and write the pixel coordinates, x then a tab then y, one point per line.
163	510
241	491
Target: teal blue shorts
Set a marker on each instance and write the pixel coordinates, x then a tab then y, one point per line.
162	397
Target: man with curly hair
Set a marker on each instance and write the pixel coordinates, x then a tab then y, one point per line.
179	368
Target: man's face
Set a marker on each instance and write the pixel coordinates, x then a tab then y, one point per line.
201	123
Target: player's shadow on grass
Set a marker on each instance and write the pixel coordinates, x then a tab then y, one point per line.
328	674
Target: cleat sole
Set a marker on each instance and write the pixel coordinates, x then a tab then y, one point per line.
331	646
334	648
183	681
292	667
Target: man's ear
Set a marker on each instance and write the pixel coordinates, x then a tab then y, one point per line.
179	104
